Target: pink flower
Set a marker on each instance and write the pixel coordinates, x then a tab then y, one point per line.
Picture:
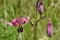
49	29
40	6
18	21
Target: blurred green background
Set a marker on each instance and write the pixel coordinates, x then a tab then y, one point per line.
10	9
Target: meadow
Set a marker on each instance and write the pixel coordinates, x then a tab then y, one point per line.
10	9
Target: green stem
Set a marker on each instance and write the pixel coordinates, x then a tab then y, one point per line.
35	27
31	23
19	36
41	18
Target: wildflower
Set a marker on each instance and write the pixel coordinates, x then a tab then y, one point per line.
40	6
18	21
49	29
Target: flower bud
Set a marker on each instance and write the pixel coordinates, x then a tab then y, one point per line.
49	29
40	6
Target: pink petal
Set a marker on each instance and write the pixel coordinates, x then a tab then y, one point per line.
41	8
26	20
14	21
9	23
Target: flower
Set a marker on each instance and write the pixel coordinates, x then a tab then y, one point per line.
18	21
40	6
49	29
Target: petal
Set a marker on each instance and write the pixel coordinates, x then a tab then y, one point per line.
9	23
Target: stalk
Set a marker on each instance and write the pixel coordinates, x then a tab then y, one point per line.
19	36
35	27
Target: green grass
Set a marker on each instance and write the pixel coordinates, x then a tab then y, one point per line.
17	8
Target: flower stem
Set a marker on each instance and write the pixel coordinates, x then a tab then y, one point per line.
19	36
35	27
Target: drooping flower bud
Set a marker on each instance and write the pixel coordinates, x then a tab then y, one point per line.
49	29
40	6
